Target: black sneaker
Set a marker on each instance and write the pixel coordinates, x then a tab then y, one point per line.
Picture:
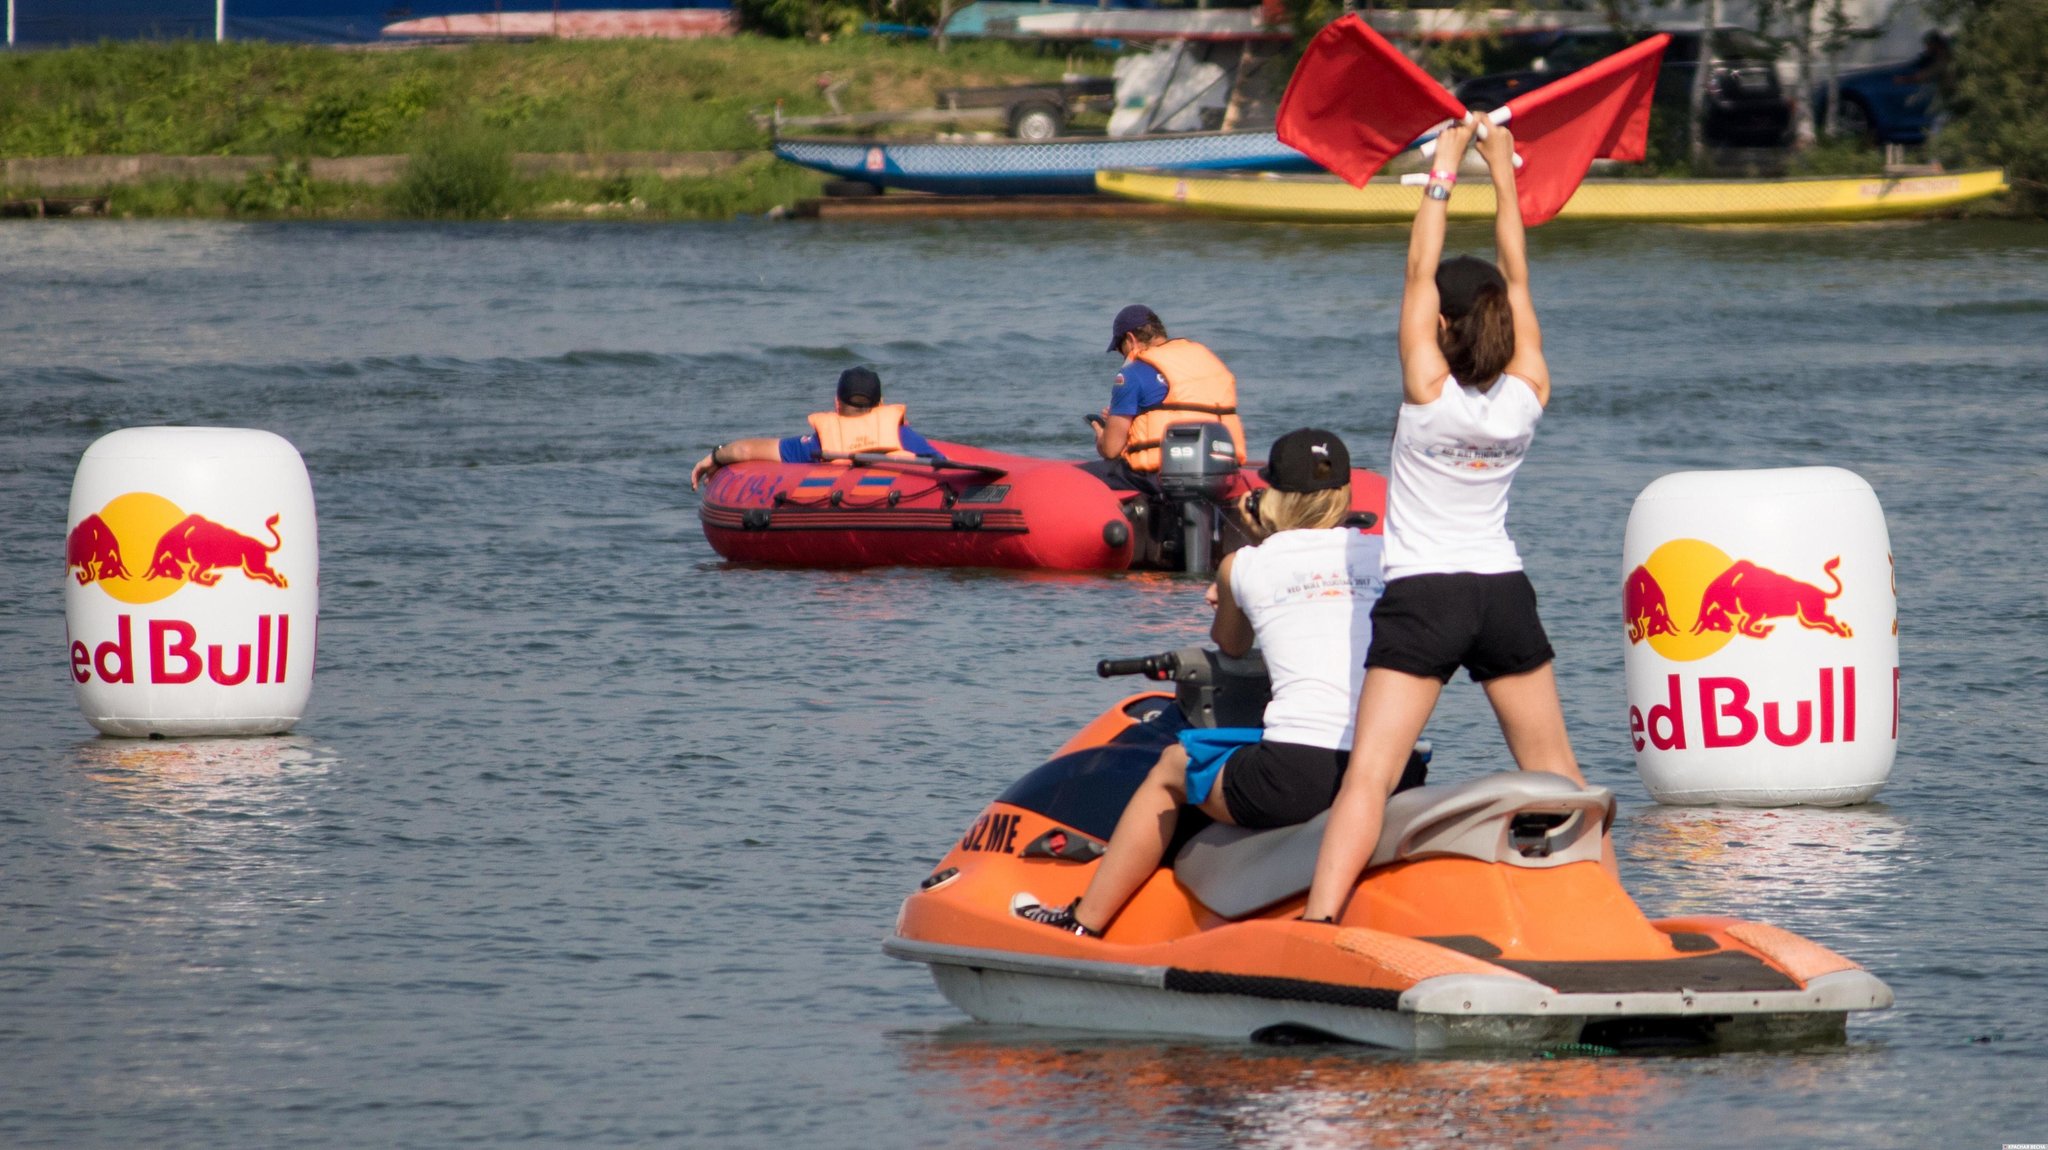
1058	917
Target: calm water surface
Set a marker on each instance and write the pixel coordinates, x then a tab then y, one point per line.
590	839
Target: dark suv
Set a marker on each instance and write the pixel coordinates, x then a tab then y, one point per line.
1746	106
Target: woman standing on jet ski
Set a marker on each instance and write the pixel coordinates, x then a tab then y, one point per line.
1309	581
1474	384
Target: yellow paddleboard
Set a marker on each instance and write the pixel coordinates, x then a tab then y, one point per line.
1324	198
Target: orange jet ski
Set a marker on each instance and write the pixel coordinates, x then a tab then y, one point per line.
1484	920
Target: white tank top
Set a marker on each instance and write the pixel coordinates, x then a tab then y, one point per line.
1454	459
1302	590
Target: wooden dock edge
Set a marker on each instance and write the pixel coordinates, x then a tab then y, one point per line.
926	206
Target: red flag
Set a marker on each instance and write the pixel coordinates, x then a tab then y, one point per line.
1560	128
1355	101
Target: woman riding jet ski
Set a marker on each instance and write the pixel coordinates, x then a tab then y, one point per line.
1484	918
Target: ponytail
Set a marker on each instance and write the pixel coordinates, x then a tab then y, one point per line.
1479	344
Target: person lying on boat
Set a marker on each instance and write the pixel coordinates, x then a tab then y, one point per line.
1163	381
1304	597
859	423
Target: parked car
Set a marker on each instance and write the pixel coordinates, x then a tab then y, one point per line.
1037	111
1879	105
1746	106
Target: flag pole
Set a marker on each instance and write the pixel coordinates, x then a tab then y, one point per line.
220	21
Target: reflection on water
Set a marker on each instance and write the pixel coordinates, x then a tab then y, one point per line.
1025	1088
210	817
1126	1092
1728	860
145	768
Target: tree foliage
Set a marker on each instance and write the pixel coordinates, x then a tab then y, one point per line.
1998	95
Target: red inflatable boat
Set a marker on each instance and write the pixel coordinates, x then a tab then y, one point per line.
976	508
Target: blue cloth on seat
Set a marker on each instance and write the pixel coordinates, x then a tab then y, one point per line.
1208	749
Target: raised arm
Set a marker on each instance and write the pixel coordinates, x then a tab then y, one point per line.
1511	254
1423	367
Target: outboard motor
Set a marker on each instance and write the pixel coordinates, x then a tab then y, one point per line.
1196	461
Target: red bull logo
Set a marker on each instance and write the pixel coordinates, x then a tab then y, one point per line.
181	548
172	654
1689	599
1728	715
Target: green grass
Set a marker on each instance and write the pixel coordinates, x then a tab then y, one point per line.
192	98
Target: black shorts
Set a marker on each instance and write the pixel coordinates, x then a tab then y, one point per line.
1118	476
1282	784
1433	624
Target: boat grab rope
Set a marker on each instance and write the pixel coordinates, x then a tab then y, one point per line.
1581	1049
839	499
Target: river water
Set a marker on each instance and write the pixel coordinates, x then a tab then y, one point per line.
590	839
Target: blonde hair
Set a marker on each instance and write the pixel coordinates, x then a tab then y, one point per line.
1302	510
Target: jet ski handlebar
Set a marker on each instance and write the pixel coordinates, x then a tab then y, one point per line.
1213	689
1162	666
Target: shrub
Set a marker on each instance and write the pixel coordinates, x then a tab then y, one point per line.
285	187
455	175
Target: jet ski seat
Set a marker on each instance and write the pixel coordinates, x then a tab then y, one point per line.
1522	818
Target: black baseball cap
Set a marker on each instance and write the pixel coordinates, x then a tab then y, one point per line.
860	387
1309	459
1461	281
1129	320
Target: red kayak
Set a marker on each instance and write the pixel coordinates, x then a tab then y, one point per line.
976	508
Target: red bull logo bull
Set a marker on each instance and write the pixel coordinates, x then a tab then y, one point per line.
94	551
199	549
182	549
1690	598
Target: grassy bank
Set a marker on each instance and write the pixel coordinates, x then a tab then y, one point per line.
464	107
189	98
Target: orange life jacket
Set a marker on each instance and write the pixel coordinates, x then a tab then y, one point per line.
873	430
1199	389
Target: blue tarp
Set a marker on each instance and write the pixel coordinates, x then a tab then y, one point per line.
43	22
62	21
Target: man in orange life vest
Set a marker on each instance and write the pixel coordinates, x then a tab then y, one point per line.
858	422
1164	381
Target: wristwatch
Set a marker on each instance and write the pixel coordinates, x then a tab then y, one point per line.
1438	192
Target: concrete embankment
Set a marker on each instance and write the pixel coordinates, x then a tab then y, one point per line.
55	172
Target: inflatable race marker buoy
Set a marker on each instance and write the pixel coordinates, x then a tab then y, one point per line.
192	582
1762	629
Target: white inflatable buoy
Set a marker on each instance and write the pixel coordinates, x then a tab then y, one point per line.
1763	638
192	583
